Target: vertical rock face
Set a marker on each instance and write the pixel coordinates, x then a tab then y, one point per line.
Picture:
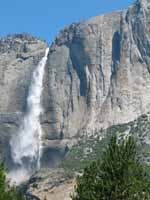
79	68
19	55
98	73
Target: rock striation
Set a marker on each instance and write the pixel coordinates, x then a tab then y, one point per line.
98	73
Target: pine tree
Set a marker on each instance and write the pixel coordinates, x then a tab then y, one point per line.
7	192
117	176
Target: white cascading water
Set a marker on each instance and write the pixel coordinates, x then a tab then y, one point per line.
26	145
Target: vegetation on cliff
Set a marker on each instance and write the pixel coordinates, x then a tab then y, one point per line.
90	148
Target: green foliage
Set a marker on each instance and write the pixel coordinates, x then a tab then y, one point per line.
117	176
85	152
35	185
89	149
7	192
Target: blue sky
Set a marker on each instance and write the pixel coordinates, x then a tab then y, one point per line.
44	18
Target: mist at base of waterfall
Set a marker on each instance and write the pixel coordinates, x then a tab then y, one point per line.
18	176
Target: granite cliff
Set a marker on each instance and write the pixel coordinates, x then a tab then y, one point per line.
97	75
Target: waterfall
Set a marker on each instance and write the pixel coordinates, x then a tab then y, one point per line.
26	145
